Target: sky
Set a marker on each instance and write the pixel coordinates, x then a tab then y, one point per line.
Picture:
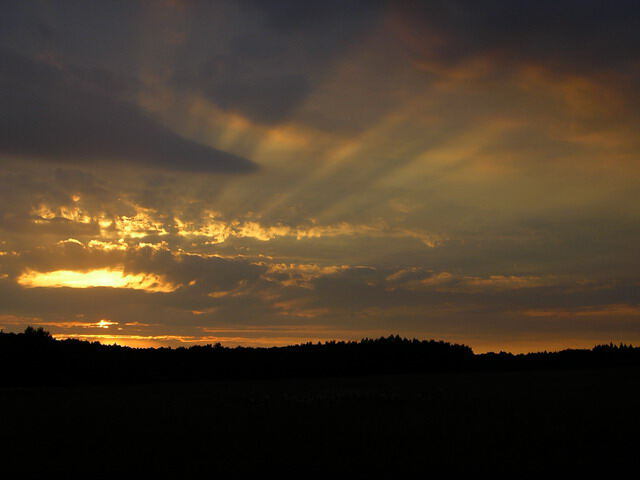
266	173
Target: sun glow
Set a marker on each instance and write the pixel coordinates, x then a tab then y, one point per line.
104	277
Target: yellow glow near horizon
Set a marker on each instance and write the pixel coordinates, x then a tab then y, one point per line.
104	277
104	323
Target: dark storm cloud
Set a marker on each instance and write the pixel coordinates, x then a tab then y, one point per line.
267	71
243	84
68	115
279	53
289	15
568	35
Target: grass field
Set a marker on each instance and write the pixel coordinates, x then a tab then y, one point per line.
523	421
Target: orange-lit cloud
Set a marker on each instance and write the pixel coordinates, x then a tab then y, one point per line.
15	320
617	310
73	324
250	335
218	230
104	277
163	340
73	214
139	225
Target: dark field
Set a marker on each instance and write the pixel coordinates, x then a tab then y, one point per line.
523	421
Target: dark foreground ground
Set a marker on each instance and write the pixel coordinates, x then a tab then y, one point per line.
517	421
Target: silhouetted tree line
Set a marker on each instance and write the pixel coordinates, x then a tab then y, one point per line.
34	357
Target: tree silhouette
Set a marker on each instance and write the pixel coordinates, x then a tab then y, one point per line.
35	357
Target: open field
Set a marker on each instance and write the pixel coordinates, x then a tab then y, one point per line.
527	421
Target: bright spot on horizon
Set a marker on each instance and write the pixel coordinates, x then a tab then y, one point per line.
105	323
104	277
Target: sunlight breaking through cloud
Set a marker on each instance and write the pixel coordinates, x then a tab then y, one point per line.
104	277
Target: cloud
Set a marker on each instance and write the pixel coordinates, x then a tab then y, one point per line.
13	320
301	275
271	56
603	311
212	226
105	277
291	15
245	86
50	112
421	279
571	35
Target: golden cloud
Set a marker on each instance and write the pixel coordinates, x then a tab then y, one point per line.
104	277
218	230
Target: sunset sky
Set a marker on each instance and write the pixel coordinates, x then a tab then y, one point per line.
273	172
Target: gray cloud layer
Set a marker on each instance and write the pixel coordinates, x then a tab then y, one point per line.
50	112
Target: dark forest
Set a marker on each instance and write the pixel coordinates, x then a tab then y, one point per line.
34	357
